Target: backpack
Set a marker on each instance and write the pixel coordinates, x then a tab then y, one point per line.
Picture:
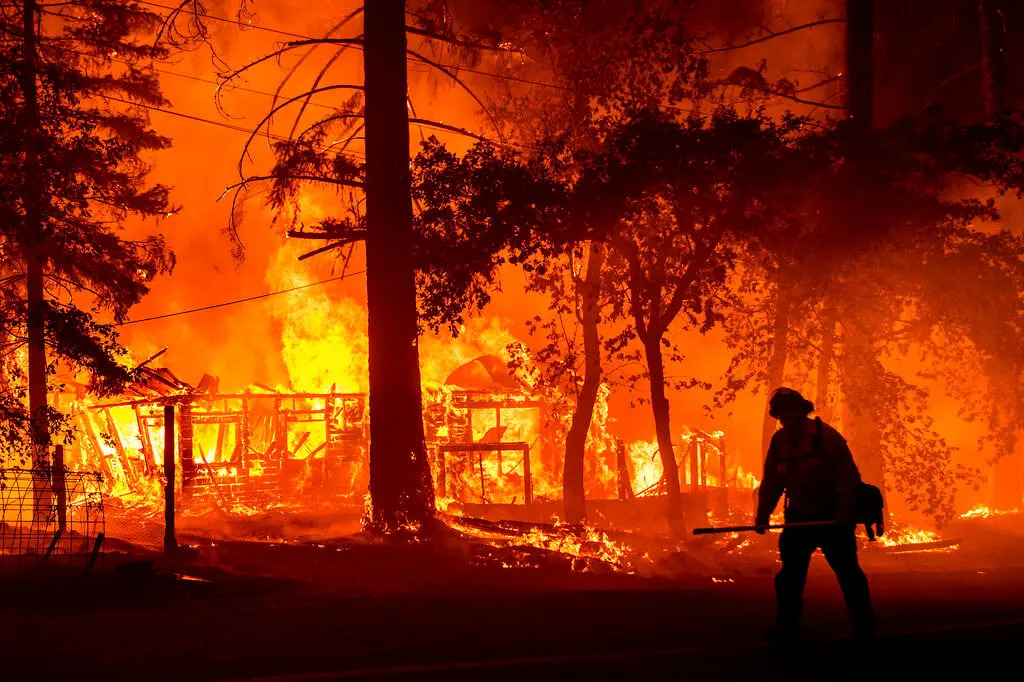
869	501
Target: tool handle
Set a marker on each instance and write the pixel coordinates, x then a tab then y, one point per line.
778	526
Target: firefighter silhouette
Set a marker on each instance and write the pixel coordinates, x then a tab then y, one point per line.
810	463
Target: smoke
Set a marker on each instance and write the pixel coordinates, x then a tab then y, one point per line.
311	339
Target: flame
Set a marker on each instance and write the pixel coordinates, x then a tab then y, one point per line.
906	537
588	547
323	336
983	512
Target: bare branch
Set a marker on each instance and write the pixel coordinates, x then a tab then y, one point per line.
450	128
308	178
316	83
327	234
334	29
471	44
329	247
800	100
447	72
821	83
771	35
274	110
227	78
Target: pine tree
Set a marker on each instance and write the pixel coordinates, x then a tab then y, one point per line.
73	137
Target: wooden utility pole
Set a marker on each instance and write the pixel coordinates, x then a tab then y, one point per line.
1008	472
401	488
170	539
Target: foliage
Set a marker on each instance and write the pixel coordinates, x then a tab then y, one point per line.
91	142
898	252
477	212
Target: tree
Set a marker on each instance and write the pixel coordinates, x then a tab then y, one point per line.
586	51
401	488
74	137
400	482
891	229
993	56
1008	472
588	313
665	199
692	193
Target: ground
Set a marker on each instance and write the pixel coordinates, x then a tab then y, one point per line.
349	608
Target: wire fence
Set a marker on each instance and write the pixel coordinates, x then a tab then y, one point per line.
140	524
46	517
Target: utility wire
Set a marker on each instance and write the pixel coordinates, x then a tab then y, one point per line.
242	129
230	88
259	27
191	117
210	121
240	300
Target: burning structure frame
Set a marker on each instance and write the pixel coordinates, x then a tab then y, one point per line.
260	450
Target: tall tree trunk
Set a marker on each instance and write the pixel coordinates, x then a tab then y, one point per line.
573	493
663	429
32	198
1008	480
401	489
860	371
993	56
825	357
860	90
1008	472
858	356
780	351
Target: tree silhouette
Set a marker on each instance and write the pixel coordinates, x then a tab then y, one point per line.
893	252
668	200
401	489
73	141
586	53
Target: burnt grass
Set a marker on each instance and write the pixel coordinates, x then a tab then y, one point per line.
459	608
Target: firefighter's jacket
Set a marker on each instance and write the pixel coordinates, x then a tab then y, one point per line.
816	473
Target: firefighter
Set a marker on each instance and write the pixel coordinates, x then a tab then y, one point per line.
811	464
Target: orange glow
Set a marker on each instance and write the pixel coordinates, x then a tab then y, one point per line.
314	341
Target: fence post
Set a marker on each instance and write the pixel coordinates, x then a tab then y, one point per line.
623	477
170	543
60	488
723	474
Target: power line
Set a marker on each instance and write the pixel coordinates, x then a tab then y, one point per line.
210	121
190	117
242	129
305	37
230	88
236	22
439	126
240	300
259	27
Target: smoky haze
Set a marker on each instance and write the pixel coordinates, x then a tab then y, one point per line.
315	337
